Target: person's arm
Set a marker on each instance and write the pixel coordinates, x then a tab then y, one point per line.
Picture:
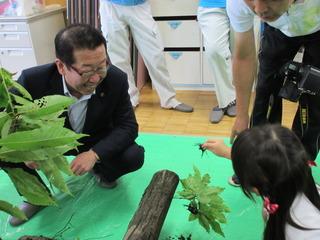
123	135
218	147
244	67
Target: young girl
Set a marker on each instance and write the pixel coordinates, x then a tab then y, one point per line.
271	161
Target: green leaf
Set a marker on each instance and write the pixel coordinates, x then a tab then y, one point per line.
197	173
6	128
20	100
217	228
187	194
32	131
204	222
30	187
184	183
4	88
206	179
21	90
26	123
44	137
4	98
6	77
206	200
12	155
63	165
53	174
3	118
45	106
12	210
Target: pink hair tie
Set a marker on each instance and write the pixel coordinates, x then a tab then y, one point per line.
312	163
270	207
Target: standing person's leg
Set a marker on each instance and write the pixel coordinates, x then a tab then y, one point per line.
146	36
215	26
276	49
307	119
109	170
116	32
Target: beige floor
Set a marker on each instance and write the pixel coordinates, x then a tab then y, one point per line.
153	119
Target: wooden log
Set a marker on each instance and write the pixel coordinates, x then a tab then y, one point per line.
34	238
147	221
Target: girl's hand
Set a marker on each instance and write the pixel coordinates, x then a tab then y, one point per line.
217	147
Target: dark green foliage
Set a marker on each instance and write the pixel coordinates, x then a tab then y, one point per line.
31	130
205	203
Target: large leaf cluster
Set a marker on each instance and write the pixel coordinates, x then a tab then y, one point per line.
205	203
32	130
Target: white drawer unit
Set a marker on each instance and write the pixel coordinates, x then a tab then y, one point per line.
180	33
183	43
173	7
17	59
15	39
13	27
184	68
29	41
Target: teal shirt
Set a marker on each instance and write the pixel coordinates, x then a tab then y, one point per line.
212	3
127	2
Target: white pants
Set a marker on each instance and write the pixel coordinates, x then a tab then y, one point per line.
215	27
116	20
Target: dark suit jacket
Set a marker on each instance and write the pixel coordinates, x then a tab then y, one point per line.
110	119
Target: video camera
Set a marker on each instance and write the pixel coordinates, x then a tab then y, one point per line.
299	79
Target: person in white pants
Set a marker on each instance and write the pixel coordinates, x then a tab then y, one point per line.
117	18
215	27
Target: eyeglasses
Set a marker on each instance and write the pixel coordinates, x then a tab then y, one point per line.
101	71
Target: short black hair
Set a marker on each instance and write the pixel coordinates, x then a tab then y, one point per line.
76	37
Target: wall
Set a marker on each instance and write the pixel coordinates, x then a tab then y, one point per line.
61	2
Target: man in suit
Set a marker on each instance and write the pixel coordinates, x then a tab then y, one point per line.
102	107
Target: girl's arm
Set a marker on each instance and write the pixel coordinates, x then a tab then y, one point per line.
217	147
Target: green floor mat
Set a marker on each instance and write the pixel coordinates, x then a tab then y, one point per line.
96	213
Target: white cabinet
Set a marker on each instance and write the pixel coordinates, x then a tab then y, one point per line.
173	7
182	45
29	41
180	33
182	42
184	68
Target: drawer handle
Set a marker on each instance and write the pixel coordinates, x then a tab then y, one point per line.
15	53
174	24
175	55
9	27
11	36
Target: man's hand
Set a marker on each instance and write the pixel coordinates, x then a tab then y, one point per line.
239	125
84	162
217	147
31	164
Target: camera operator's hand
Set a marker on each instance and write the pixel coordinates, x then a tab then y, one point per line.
241	123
